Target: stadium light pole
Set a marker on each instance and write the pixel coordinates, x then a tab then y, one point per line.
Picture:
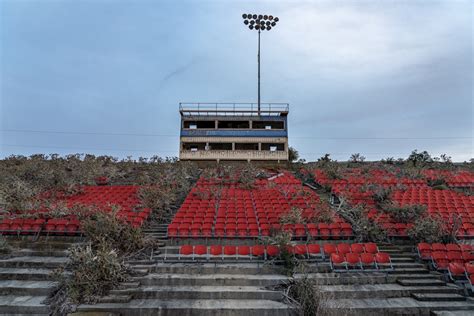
259	23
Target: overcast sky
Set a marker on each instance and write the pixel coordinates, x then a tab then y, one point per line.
376	77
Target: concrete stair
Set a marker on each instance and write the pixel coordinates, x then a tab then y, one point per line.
393	306
179	307
25	275
198	289
436	297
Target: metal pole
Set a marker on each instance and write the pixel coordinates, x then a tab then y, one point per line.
258	72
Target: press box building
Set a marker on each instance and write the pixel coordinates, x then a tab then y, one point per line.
234	131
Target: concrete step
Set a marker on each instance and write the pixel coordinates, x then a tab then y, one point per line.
149	307
451	313
210	268
25	274
421	282
347	278
128	285
115	298
11	305
166	279
391	306
201	292
410	271
402	259
39	253
411	265
436	297
33	262
392	290
42	245
22	288
429	276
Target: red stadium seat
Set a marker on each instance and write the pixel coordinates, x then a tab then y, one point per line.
272	251
216	251
314	250
424	251
243	251
230	251
456	271
367	261
258	250
357	248
353	260
438	247
439	260
383	260
371	248
455	257
200	250
337	262
343	248
185	250
329	249
300	250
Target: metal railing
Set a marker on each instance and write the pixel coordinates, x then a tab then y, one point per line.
233	109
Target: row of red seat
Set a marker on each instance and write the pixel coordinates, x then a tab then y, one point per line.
361	261
103	197
307	251
441	255
231	230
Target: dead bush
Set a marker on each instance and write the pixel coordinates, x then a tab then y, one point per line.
365	229
428	229
405	213
91	272
306	296
293	216
100	227
4	246
282	240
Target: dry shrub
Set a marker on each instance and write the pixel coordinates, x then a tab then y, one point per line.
307	297
293	216
282	239
428	229
97	267
405	213
322	212
17	194
365	229
4	246
247	175
91	272
107	228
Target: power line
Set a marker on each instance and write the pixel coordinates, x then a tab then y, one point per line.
88	148
85	133
176	135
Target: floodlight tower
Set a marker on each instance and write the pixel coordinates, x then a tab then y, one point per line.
259	23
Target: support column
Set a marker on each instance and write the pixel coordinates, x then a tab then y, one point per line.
233	146
250	124
216	124
259	146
